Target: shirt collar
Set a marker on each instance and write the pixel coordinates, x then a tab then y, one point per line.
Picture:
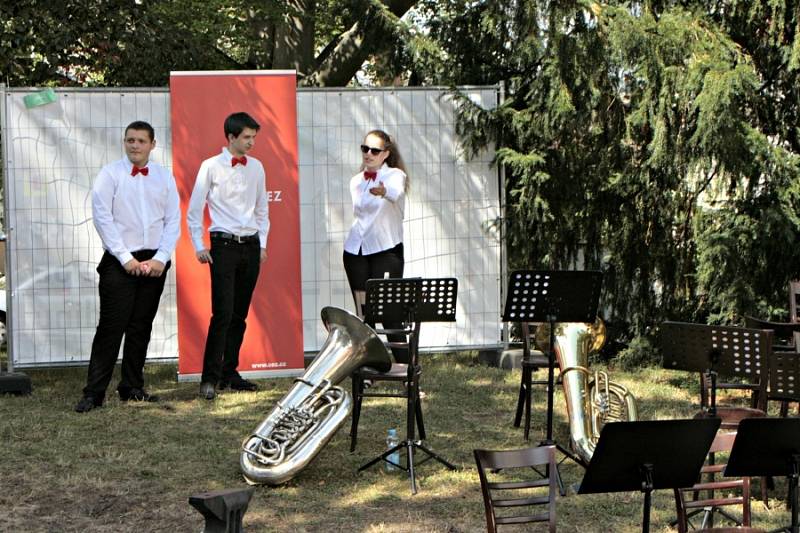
379	171
226	156
129	164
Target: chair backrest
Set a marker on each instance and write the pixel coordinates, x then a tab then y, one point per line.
794	301
496	490
688	499
783	333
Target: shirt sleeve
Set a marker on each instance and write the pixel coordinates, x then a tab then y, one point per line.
194	215
262	210
103	216
354	192
395	183
172	223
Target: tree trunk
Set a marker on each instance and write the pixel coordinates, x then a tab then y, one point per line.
294	40
355	45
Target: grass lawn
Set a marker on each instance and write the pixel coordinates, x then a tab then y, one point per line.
132	467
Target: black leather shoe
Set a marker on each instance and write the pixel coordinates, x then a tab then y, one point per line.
87	403
238	383
207	391
136	395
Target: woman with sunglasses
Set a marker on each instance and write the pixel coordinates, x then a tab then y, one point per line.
374	245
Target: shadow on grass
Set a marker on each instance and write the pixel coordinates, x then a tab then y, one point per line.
132	467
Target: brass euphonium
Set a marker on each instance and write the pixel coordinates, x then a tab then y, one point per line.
315	407
592	399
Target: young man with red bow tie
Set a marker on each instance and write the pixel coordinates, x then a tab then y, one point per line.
136	211
233	185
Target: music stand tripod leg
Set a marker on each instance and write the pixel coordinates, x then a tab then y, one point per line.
383	456
436	457
647	488
528	406
411	474
520	400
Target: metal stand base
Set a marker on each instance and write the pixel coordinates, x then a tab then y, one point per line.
223	509
14	383
410	446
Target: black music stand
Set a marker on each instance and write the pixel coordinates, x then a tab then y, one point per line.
735	351
708	350
784	379
646	456
411	301
769	447
553	296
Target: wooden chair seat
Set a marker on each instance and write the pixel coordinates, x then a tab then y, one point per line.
536	359
731	416
398	372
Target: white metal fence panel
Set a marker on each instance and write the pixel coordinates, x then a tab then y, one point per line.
449	211
52	154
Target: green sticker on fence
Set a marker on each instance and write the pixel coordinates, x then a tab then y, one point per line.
45	96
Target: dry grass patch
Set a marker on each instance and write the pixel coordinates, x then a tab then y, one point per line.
129	467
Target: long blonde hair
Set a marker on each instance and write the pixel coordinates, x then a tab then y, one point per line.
395	160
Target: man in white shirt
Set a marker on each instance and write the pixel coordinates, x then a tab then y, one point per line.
234	187
136	212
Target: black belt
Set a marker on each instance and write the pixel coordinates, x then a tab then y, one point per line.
234	238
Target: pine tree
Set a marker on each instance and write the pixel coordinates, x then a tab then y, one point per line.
654	140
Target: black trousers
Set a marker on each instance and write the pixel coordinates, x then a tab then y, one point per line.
234	274
359	268
128	305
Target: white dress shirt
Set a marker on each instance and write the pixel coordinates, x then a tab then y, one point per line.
133	213
379	220
236	196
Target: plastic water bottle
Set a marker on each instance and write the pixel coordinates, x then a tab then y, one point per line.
392	440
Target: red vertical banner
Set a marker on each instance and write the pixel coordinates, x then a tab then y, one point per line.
200	102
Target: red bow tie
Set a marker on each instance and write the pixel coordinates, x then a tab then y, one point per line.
236	160
370	174
136	170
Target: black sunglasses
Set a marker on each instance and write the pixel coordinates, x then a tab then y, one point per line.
375	151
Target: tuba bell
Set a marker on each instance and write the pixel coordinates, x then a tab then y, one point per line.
592	399
315	407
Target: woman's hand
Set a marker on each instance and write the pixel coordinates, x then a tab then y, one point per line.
378	190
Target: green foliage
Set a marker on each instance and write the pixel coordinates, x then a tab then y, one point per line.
125	42
656	141
639	353
138	42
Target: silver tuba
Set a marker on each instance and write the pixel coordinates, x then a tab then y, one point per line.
314	408
592	399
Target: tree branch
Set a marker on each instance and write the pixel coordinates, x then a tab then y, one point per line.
356	44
